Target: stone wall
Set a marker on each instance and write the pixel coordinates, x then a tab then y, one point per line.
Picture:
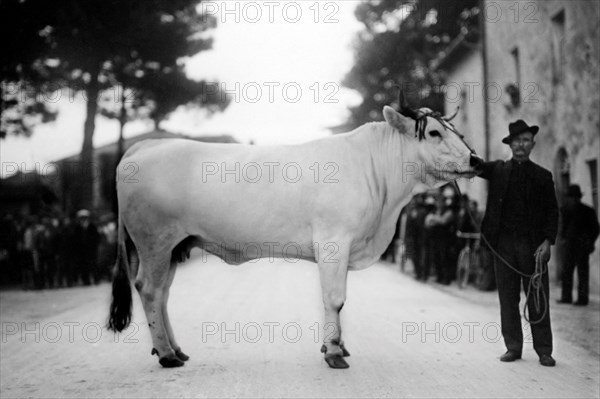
549	49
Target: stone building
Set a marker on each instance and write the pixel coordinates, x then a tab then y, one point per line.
538	61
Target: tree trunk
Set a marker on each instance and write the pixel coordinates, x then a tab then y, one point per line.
120	148
122	122
88	169
2	132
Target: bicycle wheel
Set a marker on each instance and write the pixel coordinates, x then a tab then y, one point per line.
476	266
463	267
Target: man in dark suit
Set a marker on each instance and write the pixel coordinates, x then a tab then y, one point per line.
520	224
579	230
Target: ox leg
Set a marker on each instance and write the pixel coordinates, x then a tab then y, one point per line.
333	272
168	327
150	283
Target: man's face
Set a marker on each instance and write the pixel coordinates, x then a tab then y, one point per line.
522	145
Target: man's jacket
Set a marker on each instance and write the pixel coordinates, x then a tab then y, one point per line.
541	222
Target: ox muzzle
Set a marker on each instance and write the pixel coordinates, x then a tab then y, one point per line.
476	162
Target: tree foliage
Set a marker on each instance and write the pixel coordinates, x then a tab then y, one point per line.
22	74
93	45
23	107
155	94
398	43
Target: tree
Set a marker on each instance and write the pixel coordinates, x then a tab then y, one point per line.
169	90
23	107
399	41
154	95
22	75
97	44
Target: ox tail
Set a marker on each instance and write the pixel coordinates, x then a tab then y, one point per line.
121	305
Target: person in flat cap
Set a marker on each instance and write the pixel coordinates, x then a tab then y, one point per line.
520	224
579	231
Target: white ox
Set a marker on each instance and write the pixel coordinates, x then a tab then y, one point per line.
333	201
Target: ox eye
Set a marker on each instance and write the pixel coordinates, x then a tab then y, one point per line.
435	133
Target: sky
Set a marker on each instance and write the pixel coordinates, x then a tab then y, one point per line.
281	62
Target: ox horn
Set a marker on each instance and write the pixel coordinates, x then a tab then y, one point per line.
448	118
404	107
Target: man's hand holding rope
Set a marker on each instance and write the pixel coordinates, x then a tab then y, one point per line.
542	255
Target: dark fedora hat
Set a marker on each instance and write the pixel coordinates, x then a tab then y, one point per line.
574	191
518	127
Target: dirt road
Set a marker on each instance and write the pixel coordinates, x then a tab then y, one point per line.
255	331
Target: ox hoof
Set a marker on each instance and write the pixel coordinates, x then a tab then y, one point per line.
345	353
169	362
336	362
181	355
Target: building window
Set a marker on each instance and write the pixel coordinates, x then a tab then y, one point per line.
558	47
514	89
593	166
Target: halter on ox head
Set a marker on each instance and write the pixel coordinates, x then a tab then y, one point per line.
442	153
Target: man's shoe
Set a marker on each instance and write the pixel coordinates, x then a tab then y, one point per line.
563	301
510	356
580	303
547	360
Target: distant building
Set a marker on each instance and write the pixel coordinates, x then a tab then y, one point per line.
537	61
343	128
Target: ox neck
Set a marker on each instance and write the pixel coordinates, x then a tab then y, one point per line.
393	156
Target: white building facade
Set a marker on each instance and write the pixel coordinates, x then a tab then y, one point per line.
538	61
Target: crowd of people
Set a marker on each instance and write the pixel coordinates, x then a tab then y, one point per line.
48	251
428	228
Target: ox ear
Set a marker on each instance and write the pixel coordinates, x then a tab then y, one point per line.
395	119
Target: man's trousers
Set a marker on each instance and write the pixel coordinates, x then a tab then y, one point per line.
518	251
